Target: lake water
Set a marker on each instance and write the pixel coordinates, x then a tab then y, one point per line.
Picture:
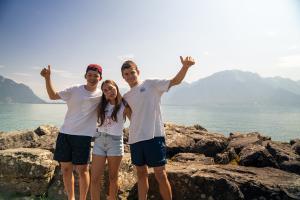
281	123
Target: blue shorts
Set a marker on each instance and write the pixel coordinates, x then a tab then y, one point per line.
149	152
73	148
108	145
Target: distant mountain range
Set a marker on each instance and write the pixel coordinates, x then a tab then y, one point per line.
12	92
236	87
232	87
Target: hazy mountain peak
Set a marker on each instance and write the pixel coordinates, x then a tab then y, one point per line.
236	87
237	75
12	92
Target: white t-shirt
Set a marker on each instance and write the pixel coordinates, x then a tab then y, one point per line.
144	100
81	116
110	126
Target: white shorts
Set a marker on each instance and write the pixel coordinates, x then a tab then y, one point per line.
108	145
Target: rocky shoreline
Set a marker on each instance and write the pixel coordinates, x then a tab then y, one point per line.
201	165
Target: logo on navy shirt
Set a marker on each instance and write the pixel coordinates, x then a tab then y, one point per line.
142	89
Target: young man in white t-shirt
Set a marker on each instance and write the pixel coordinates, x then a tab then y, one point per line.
74	140
146	131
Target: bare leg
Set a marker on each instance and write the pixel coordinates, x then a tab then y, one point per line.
84	180
113	168
143	185
97	169
68	178
164	184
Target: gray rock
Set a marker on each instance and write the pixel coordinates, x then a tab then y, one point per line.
18	139
226	157
26	170
199	127
238	140
191	139
291	166
257	156
43	137
285	156
281	151
296	147
47	137
193	157
226	182
293	141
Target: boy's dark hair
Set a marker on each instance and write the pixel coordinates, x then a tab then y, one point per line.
128	64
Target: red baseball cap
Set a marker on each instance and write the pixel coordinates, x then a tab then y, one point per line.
94	67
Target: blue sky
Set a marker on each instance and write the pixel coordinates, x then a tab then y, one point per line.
261	36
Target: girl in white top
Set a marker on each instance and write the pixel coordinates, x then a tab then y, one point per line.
112	112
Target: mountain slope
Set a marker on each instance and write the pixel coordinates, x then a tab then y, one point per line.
236	87
12	92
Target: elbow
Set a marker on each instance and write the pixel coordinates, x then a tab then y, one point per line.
53	97
175	82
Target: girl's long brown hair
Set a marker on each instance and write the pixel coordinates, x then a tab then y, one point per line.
103	103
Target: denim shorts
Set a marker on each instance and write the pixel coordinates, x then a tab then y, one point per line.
108	145
149	152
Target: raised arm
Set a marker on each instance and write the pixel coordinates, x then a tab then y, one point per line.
186	64
46	73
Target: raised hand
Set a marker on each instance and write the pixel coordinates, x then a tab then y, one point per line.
187	62
46	72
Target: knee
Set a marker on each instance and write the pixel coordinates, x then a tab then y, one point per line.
161	176
66	170
96	177
142	173
82	170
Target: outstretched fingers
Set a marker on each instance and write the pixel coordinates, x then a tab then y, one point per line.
187	61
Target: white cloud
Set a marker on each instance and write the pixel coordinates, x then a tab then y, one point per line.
1	66
21	74
290	61
126	57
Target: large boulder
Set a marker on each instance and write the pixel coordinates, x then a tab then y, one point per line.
257	156
44	137
228	156
209	144
177	139
239	140
287	159
227	182
47	137
18	139
194	139
26	170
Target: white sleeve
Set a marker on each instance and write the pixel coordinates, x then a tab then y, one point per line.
161	85
66	94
